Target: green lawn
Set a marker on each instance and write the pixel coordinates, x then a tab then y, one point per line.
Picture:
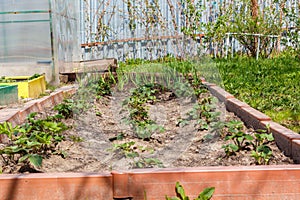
269	85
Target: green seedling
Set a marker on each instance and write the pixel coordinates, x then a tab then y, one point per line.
7	129
148	163
182	122
204	113
98	113
262	154
234	125
206	194
241	141
230	149
127	148
145	131
76	138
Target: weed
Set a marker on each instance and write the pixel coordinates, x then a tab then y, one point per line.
91	87
104	84
50	87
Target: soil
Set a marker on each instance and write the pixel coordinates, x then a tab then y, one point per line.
92	142
103	126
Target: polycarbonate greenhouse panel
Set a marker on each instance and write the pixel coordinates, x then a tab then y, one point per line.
25	5
24	31
25	42
65	16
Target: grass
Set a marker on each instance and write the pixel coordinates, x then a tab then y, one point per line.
269	85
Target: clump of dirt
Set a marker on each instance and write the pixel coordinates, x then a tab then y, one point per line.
109	141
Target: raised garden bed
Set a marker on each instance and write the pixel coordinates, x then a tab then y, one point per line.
266	182
28	86
8	94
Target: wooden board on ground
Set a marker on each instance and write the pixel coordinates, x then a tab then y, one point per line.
88	66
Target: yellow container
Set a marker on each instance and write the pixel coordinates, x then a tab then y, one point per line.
28	88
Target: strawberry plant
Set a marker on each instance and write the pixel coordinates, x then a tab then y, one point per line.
138	113
262	154
205	114
94	87
33	140
104	84
241	141
131	150
65	108
235	133
258	143
261	151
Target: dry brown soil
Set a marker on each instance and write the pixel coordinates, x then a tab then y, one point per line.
178	146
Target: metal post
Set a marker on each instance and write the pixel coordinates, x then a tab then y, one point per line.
4	29
54	75
232	46
215	49
258	46
227	44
